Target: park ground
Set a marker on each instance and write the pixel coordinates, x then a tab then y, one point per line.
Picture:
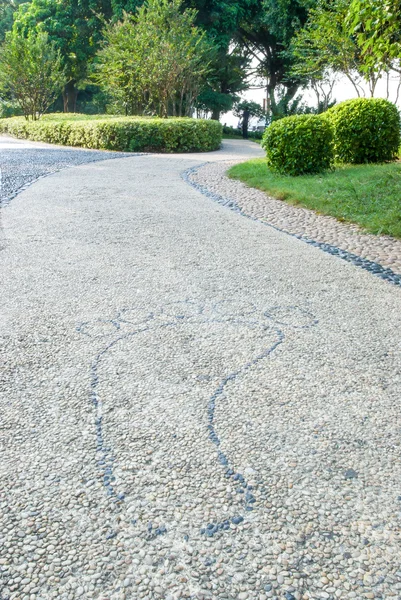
194	404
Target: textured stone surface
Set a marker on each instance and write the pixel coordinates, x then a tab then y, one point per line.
383	250
23	162
193	405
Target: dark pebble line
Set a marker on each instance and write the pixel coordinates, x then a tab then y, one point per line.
105	457
368	265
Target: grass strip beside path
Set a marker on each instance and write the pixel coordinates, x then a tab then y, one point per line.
369	195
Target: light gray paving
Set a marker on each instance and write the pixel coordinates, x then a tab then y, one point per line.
22	162
297	220
193	405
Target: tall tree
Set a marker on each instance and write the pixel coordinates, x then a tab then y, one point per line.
7	10
31	72
325	46
245	110
228	77
376	26
75	27
155	61
266	32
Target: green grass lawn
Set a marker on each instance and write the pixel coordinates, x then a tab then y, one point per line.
369	195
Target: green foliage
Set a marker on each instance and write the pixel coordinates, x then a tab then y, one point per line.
234	132
7	10
266	31
210	100
155	61
252	108
324	42
31	72
299	144
74	26
9	108
325	46
227	78
119	133
376	25
365	194
365	130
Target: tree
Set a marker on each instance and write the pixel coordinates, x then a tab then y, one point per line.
325	47
266	32
74	26
245	110
7	10
227	78
155	61
31	72
376	26
229	70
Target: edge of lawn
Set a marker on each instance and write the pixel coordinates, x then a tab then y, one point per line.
368	195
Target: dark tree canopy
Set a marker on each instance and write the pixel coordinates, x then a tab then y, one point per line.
75	27
241	30
266	32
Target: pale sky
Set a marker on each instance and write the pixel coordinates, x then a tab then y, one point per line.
343	90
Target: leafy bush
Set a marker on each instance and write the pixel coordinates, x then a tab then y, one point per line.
298	145
365	130
119	133
9	109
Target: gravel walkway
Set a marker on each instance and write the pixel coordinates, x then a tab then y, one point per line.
193	405
23	162
383	250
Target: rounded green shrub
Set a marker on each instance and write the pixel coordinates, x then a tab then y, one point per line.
299	145
135	134
365	130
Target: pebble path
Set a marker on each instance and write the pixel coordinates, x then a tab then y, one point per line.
193	405
382	250
22	163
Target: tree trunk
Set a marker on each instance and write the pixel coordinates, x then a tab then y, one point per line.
70	94
216	114
245	122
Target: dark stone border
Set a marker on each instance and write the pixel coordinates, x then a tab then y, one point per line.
372	267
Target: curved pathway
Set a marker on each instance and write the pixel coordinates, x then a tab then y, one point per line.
193	405
380	254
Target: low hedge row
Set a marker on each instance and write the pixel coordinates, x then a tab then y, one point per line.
132	134
363	130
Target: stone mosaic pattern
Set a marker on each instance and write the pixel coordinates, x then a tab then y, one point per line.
181	314
380	255
167	362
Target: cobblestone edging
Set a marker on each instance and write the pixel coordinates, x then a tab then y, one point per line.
306	225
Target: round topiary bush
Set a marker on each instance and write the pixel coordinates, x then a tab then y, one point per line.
299	145
365	130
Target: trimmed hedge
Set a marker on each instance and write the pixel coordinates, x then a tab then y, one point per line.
365	130
299	145
132	134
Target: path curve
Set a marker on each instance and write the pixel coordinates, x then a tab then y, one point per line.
193	405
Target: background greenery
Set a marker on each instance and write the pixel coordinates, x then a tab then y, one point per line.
365	194
119	133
